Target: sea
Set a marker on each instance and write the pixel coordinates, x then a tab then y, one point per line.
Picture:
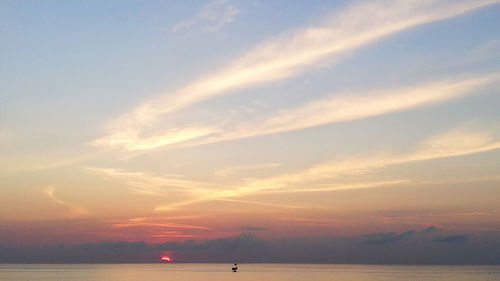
246	272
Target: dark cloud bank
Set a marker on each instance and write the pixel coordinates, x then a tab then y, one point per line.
409	247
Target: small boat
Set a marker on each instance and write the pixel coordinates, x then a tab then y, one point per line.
235	268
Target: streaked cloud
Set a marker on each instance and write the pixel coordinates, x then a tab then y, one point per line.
231	171
347	107
309	221
351	107
72	209
420	214
341	186
156	223
148	184
285	56
157	229
211	17
265	204
169	137
252	188
453	143
461	214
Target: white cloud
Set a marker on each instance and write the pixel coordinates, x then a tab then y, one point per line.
332	109
453	143
234	170
350	107
265	204
288	55
319	178
147	184
211	17
171	136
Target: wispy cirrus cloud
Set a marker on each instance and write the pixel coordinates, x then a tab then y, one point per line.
309	221
173	136
72	209
147	184
347	107
155	228
156	223
211	17
231	171
203	195
453	143
350	107
264	204
283	57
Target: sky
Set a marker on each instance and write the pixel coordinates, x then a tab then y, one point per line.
259	131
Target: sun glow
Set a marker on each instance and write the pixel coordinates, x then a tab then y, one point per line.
166	258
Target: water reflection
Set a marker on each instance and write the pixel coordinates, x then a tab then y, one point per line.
251	272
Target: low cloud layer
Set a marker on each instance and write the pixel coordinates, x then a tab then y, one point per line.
388	237
407	247
460	238
253	228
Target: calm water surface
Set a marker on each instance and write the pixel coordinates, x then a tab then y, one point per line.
247	272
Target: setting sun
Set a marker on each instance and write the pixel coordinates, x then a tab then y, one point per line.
166	258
